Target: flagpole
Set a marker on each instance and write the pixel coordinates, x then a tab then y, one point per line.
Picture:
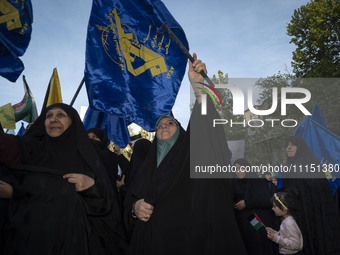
47	94
78	90
186	52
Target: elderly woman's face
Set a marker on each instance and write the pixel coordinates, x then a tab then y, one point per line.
166	129
291	149
56	122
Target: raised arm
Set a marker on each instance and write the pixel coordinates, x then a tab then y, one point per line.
195	77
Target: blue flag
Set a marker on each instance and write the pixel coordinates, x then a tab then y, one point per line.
133	69
15	34
114	127
22	129
323	143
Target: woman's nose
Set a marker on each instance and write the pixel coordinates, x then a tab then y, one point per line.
53	119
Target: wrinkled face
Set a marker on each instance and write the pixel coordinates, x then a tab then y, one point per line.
279	212
166	129
56	122
291	150
241	173
93	136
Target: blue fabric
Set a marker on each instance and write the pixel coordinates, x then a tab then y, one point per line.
132	69
10	67
279	176
114	127
15	35
323	143
22	129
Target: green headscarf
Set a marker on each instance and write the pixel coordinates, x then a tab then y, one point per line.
163	147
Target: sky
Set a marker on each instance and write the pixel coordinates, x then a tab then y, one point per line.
244	38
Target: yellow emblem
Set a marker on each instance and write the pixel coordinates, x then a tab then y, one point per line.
10	15
137	57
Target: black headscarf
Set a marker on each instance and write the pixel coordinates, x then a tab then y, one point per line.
191	216
71	152
303	154
320	236
100	134
49	214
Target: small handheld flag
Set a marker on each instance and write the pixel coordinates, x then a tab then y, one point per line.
256	222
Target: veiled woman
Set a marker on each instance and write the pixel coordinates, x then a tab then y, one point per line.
172	213
62	198
320	224
109	158
252	195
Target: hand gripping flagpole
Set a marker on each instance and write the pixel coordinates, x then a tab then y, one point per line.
186	52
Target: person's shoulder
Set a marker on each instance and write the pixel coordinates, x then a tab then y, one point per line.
290	220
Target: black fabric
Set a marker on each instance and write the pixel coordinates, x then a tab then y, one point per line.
140	151
110	161
6	176
257	194
100	134
123	163
258	200
190	216
46	214
337	199
320	224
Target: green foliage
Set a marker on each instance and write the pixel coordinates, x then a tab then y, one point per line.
315	28
237	132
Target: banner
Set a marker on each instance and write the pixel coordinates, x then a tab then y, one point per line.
133	69
7	116
16	19
53	92
323	143
26	110
114	127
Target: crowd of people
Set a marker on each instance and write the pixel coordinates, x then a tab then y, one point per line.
60	193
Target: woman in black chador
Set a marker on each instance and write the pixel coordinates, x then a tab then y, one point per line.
172	213
252	195
109	158
62	202
320	224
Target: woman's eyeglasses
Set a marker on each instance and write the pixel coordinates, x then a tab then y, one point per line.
168	123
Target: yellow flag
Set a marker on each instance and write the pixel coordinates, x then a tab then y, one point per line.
7	116
55	92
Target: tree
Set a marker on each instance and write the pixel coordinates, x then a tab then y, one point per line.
234	133
315	28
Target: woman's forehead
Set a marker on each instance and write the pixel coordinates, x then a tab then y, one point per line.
164	119
56	109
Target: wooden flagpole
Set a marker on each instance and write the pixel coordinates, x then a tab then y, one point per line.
186	52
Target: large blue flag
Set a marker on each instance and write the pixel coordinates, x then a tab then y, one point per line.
323	143
114	127
133	69
15	34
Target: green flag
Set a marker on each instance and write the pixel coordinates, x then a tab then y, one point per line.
26	110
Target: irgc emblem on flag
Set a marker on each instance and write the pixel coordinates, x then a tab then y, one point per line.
16	19
133	69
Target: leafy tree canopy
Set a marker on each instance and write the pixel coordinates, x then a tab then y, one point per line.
315	28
